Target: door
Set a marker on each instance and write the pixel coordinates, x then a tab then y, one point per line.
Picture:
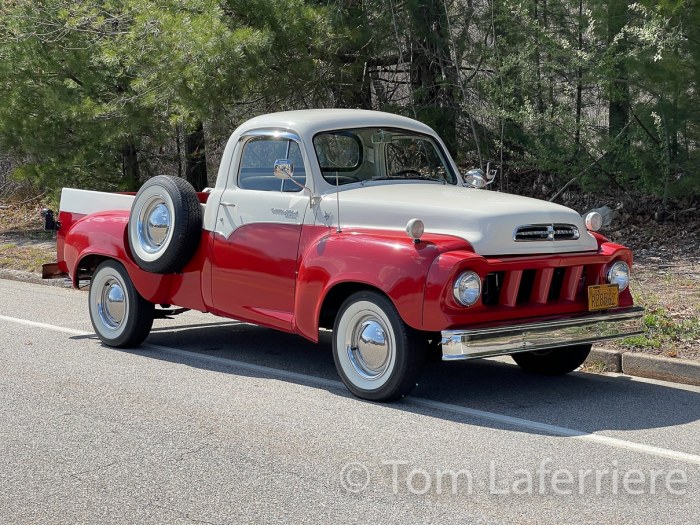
256	243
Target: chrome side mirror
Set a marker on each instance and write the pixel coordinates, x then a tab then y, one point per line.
476	178
284	169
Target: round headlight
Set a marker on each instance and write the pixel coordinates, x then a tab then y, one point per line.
467	288
594	221
619	274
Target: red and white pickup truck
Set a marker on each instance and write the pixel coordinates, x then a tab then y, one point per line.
357	221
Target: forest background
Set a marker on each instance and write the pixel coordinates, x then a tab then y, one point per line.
102	94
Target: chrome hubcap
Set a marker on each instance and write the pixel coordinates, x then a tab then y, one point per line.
369	349
112	304
154	224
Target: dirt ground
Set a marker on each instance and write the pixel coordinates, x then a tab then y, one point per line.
665	275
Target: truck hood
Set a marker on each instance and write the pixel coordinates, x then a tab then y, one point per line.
486	219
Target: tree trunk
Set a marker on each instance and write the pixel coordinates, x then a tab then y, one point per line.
579	79
131	178
618	108
179	150
196	168
538	66
352	88
433	72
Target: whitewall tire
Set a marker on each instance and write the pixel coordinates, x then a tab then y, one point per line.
377	355
165	224
120	316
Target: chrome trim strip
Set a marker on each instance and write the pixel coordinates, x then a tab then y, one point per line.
503	340
272	133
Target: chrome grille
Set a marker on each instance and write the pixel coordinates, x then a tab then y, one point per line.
545	232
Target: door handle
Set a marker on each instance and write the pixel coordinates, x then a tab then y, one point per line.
227	204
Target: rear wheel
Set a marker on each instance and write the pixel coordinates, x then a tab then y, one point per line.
377	355
120	316
554	362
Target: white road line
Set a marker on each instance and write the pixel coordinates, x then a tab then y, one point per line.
45	326
413	401
558	431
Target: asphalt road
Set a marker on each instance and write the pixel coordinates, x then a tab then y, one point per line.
214	421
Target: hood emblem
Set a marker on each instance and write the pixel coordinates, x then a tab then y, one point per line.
546	232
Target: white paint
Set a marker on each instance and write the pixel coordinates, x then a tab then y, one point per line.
246	207
486	219
86	202
308	122
511	421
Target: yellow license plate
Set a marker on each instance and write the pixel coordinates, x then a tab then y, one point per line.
602	296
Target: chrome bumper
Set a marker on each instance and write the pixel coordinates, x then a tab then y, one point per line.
503	340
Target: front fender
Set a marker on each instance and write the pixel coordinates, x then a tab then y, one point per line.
386	260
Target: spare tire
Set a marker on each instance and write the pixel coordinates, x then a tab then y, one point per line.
165	224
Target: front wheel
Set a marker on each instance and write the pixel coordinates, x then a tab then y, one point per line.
554	362
120	316
377	355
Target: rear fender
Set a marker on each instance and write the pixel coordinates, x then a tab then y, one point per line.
103	235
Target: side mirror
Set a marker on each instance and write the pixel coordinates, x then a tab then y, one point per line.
476	178
284	169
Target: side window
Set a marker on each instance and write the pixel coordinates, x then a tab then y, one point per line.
256	171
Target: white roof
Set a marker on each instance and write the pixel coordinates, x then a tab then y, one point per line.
311	121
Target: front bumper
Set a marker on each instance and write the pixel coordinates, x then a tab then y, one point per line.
502	340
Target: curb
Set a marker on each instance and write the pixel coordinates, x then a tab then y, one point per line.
650	366
601	359
30	277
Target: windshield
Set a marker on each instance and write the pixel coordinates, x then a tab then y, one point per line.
366	154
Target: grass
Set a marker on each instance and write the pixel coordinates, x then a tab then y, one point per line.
24	245
664	330
595	367
25	258
672	317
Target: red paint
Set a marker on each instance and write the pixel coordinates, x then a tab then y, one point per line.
510	287
442	311
540	289
386	260
104	235
278	275
254	273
